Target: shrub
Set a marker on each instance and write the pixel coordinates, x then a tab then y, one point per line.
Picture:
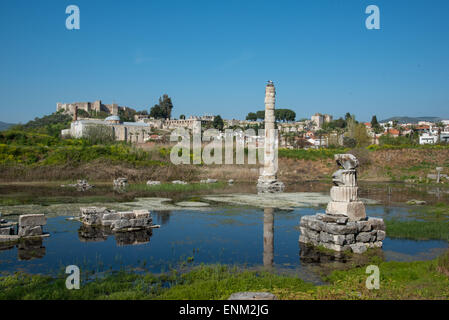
99	134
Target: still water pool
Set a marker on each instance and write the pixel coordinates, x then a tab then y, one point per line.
243	236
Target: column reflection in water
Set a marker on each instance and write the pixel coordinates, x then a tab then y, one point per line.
268	237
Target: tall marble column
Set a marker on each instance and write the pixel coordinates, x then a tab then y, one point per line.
268	180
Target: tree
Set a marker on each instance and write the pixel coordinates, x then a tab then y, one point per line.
81	113
126	114
218	123
361	135
374	122
320	134
163	109
157	112
290	115
182	117
375	125
251	116
261	114
166	105
348	116
349	142
284	115
99	134
440	127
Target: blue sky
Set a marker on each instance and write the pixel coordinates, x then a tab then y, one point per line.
215	56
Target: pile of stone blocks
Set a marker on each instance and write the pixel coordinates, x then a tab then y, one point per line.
80	185
340	234
179	182
117	221
120	182
29	226
209	181
269	186
345	225
7	228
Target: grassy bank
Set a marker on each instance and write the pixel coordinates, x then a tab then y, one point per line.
35	155
398	280
418	230
430	222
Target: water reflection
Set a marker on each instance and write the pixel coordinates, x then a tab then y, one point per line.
313	255
268	237
162	217
96	234
27	249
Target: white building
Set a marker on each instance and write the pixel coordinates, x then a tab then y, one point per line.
431	138
316	142
427	138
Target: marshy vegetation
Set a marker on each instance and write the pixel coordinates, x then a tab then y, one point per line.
398	280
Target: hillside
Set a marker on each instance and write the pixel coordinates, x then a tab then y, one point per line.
412	119
4	125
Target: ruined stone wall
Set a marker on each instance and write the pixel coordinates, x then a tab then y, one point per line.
339	234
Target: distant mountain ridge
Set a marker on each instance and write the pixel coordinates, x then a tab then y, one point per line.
4	125
412	119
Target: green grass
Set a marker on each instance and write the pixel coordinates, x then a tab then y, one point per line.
37	149
398	280
418	230
204	282
310	154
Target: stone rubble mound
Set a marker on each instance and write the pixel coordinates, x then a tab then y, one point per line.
153	183
120	182
338	233
117	221
178	182
209	181
29	226
80	185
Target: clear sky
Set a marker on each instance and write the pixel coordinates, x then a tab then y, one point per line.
215	56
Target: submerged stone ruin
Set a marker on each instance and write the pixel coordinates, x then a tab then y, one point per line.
117	221
80	185
345	225
29	226
26	234
120	183
268	179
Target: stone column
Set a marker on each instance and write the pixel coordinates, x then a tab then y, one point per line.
268	180
268	237
344	193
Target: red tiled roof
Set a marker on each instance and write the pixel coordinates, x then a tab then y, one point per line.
394	132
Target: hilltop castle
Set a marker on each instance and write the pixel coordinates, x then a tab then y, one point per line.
96	106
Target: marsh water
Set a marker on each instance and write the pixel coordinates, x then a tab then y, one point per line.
231	226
